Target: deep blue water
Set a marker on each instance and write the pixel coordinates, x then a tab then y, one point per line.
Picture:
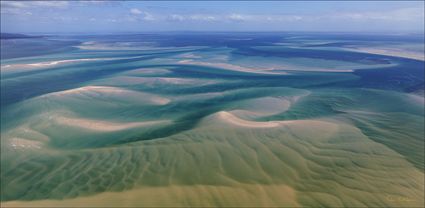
407	76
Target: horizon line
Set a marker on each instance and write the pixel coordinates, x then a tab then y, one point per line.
214	31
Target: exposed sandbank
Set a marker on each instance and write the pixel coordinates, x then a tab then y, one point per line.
392	52
119	93
231	67
104	126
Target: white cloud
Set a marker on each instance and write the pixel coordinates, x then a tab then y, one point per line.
201	17
238	17
287	18
135	11
96	2
55	4
233	18
193	17
34	4
44	9
403	14
140	15
148	16
176	17
26	7
13	4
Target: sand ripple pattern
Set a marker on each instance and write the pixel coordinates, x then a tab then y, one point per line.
162	131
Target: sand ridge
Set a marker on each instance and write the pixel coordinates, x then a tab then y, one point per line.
231	67
104	126
52	63
155	81
396	52
119	93
226	117
20	143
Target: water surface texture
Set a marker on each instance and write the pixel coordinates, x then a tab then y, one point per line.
213	119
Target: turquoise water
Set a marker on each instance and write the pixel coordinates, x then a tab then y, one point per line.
124	113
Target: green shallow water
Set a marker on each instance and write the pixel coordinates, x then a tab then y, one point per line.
150	128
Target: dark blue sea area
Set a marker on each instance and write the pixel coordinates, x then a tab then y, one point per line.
406	76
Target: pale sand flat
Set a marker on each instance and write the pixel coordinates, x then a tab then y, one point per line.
268	70
189	56
20	143
148	71
99	89
154	81
114	92
288	67
264	106
51	63
26	132
228	118
416	98
231	67
392	52
104	126
150	46
24	137
68	61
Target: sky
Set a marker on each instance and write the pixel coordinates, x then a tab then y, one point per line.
150	16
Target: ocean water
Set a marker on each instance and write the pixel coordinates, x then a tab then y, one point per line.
213	119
